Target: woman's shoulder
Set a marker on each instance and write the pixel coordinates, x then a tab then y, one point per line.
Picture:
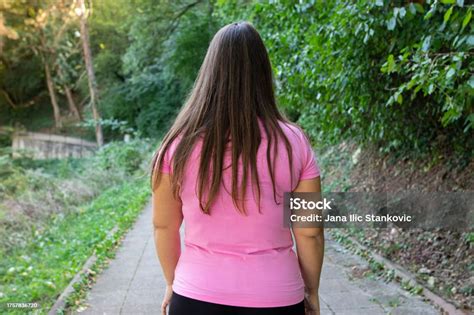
291	129
169	144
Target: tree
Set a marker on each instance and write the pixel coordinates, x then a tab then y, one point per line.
43	28
83	13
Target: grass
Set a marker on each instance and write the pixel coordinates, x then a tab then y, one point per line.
39	271
32	191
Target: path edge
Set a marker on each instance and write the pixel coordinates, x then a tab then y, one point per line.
406	275
60	304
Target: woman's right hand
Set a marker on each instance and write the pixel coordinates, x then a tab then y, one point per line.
166	299
311	303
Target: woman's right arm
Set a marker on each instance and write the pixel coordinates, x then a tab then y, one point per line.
310	248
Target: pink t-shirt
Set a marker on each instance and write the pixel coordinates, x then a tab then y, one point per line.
232	259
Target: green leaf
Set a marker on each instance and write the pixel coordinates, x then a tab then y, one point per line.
448	13
402	12
466	20
411	83
448	1
450	73
451	115
430	88
470	40
430	13
390	63
471	81
400	99
426	43
395	12
391	23
469	125
419	7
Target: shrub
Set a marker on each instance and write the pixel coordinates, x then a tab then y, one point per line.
31	191
396	74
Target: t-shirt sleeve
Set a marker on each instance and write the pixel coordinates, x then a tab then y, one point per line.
310	168
166	165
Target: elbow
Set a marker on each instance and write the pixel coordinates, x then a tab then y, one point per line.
161	226
162	231
319	237
164	227
310	233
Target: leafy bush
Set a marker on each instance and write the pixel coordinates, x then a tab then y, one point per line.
119	156
397	75
160	64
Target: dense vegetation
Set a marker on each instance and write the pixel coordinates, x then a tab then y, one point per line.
31	192
397	74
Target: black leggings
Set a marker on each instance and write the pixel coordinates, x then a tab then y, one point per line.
181	305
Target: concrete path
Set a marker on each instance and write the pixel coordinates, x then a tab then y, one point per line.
133	284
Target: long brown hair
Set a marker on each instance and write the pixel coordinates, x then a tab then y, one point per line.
234	89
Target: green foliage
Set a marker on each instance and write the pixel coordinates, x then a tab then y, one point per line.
438	65
128	157
39	271
397	75
168	44
45	39
32	191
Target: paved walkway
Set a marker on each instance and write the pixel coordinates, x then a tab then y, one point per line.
133	284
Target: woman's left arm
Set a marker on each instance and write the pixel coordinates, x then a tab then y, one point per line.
167	219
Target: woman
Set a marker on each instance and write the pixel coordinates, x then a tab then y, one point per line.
223	168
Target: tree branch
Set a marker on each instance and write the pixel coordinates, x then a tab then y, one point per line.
175	21
10	102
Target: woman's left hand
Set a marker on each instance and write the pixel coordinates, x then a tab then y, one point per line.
166	299
311	302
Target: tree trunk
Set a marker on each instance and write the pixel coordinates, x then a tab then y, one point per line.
70	99
49	82
72	104
52	95
90	71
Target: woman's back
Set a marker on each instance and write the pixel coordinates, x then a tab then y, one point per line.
243	259
231	156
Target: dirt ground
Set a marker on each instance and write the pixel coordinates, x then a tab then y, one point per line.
441	259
